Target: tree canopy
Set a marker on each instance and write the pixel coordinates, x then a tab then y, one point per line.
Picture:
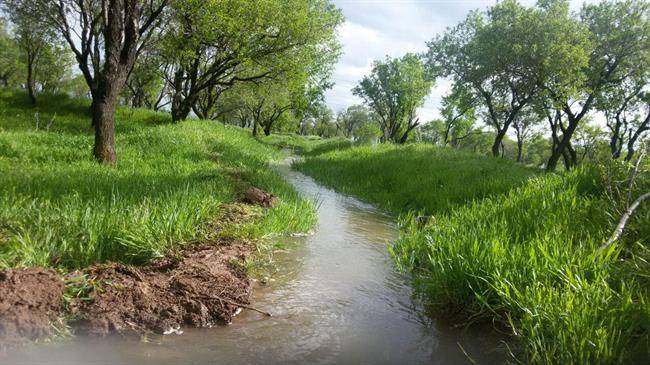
394	90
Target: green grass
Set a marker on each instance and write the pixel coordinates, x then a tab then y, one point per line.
414	177
511	246
59	208
306	145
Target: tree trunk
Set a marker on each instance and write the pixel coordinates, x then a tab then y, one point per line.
644	127
267	129
563	144
104	122
30	79
181	106
254	128
616	141
520	149
498	141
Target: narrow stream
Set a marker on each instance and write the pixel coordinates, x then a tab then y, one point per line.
337	299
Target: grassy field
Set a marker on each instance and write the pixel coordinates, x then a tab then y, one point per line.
60	208
414	177
306	145
510	245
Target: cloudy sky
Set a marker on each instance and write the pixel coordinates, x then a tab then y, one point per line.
376	28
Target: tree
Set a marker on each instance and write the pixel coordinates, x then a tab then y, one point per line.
323	121
215	44
394	90
105	37
458	112
54	69
588	139
9	65
31	38
640	125
620	33
624	107
524	126
147	85
506	54
266	103
350	120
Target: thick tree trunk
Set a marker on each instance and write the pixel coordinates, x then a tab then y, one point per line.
520	150
405	136
104	123
267	129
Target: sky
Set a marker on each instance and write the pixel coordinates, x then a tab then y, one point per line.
376	28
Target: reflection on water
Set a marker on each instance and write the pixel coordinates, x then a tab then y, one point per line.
337	299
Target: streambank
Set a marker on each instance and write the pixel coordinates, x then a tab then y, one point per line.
336	299
199	285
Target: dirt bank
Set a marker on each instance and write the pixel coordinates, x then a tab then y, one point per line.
201	286
30	300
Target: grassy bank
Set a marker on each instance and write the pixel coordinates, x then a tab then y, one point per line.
510	245
59	208
306	145
414	177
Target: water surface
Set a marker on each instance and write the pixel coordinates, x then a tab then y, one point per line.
336	299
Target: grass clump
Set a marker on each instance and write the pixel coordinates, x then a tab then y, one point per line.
60	208
508	245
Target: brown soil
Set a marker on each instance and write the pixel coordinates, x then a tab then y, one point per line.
200	286
30	300
259	197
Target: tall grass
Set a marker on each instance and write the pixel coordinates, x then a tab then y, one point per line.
510	246
414	177
60	208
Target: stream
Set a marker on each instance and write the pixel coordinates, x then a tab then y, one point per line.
337	299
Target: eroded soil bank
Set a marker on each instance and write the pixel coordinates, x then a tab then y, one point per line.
200	285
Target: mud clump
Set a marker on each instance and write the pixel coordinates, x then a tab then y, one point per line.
200	286
259	197
30	300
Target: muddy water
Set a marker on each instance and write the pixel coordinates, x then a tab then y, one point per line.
337	299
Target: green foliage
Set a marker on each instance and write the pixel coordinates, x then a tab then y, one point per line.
60	208
217	43
9	57
359	123
507	55
394	90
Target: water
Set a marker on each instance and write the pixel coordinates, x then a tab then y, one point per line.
337	299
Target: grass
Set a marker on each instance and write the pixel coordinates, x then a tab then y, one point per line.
414	177
306	145
58	208
511	246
